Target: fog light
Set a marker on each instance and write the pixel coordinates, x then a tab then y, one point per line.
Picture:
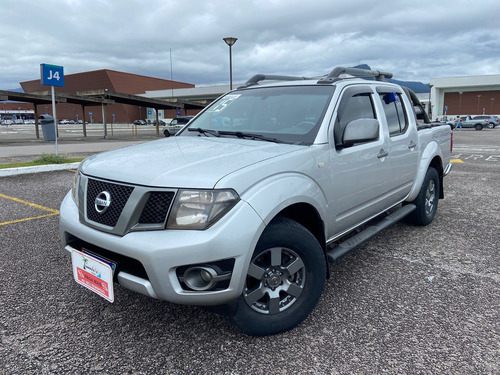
200	278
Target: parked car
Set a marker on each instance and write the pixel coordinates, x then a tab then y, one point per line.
176	124
491	120
140	122
161	122
469	122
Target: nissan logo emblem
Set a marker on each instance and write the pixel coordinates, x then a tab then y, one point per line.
102	202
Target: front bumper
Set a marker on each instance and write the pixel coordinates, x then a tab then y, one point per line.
161	252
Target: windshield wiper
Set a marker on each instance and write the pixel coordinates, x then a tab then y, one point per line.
240	134
215	133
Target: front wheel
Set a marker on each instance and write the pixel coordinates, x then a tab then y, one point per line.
284	281
478	127
427	199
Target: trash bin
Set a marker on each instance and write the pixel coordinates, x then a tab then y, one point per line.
48	127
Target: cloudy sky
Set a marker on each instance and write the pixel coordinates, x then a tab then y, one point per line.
416	40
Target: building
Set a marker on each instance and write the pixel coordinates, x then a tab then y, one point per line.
16	111
471	95
105	79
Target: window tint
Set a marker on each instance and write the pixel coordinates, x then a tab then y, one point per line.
354	106
396	117
290	114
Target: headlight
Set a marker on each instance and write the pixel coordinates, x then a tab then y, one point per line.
198	209
74	188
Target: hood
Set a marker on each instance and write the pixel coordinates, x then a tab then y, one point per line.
181	162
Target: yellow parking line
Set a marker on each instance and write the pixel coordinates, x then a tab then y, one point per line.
28	219
456	161
29	204
52	211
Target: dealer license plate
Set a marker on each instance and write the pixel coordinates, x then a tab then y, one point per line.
93	273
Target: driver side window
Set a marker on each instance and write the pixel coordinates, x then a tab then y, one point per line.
357	103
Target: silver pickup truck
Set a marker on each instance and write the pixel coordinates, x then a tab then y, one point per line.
247	205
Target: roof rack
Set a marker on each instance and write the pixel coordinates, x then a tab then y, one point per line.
330	78
336	72
267	77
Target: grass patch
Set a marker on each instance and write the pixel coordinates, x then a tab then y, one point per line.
42	160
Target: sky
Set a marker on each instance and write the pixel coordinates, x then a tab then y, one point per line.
183	40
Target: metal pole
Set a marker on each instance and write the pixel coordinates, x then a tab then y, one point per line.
104	121
230	68
230	41
55	117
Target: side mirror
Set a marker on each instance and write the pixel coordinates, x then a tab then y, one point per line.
360	131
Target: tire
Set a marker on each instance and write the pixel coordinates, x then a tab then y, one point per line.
427	199
478	127
284	281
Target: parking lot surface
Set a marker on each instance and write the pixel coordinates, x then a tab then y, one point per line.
412	300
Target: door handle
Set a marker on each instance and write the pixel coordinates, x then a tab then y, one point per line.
412	146
382	153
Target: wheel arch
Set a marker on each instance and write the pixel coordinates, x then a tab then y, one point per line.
307	216
430	158
437	164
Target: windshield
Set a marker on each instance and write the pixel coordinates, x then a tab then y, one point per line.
288	114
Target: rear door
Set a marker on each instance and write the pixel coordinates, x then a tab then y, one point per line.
403	140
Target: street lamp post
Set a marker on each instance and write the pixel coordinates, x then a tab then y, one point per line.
492	100
230	41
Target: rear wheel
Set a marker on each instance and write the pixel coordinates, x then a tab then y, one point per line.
427	199
284	281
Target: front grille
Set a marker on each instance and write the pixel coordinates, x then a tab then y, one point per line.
119	196
156	208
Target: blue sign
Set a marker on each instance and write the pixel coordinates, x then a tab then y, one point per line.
150	112
445	108
91	113
179	112
52	75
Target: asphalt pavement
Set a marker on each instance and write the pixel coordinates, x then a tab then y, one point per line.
413	300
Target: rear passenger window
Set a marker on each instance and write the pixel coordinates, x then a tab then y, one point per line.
355	105
395	114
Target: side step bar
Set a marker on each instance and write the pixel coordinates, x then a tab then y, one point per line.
346	246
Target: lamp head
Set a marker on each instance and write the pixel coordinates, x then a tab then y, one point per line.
230	40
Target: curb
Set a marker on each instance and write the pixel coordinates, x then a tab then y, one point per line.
37	169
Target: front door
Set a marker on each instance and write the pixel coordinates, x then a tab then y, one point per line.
360	173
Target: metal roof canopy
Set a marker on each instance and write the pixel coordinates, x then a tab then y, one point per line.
143	101
46	98
63	97
22	97
136	100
